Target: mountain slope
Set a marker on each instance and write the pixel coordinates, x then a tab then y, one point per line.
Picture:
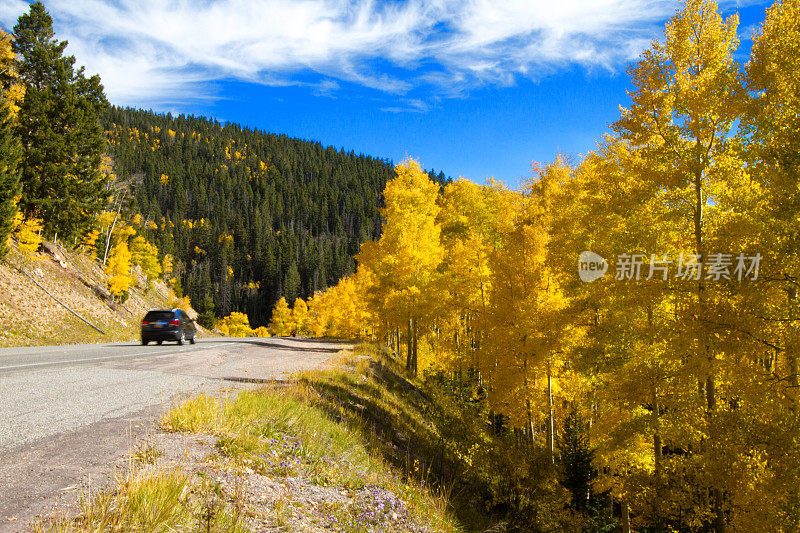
249	216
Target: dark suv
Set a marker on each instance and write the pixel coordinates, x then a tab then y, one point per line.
167	325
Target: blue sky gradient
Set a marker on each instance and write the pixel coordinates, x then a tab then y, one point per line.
464	87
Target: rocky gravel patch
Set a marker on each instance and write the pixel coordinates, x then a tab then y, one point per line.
269	503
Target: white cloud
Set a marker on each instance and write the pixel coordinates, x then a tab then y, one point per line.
408	105
162	52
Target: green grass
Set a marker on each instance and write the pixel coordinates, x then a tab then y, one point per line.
437	436
159	501
287	434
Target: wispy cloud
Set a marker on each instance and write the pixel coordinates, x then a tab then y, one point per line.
408	105
164	52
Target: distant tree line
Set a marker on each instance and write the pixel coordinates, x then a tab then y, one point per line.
249	217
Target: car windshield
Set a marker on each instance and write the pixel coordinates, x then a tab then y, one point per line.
159	316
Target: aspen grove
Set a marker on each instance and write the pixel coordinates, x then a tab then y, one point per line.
688	384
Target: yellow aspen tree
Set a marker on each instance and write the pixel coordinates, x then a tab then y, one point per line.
469	214
29	236
236	325
89	244
771	127
281	324
410	249
687	96
10	150
118	270
261	331
770	310
167	265
316	322
300	317
145	255
619	323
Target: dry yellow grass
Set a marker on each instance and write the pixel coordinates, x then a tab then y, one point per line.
29	317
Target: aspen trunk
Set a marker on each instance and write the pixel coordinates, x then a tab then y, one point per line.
710	381
657	445
409	346
625	522
550	422
414	352
791	351
528	414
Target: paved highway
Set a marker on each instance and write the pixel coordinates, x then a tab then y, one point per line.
68	412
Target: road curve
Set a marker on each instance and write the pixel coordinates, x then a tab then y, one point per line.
62	407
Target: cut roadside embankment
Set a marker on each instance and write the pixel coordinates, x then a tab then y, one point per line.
31	288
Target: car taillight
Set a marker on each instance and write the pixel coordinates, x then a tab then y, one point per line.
145	322
175	322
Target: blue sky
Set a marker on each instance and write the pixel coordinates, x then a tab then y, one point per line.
475	88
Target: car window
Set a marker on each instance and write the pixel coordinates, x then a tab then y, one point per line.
158	316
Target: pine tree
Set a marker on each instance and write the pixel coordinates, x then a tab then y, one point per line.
291	286
59	128
576	457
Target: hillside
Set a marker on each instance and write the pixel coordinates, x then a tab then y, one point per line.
29	316
249	216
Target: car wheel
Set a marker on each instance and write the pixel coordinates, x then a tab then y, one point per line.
183	337
192	339
144	342
159	342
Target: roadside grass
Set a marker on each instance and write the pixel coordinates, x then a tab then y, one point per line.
436	434
357	432
287	434
157	501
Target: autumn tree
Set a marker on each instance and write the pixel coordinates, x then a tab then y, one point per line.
469	219
409	251
118	270
281	324
29	235
145	255
300	317
235	325
167	265
688	94
771	130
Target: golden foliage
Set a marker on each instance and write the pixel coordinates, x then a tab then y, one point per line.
281	324
29	236
118	270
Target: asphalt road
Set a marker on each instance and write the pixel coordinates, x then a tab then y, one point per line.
72	412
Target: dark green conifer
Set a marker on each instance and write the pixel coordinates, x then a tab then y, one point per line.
58	126
9	175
